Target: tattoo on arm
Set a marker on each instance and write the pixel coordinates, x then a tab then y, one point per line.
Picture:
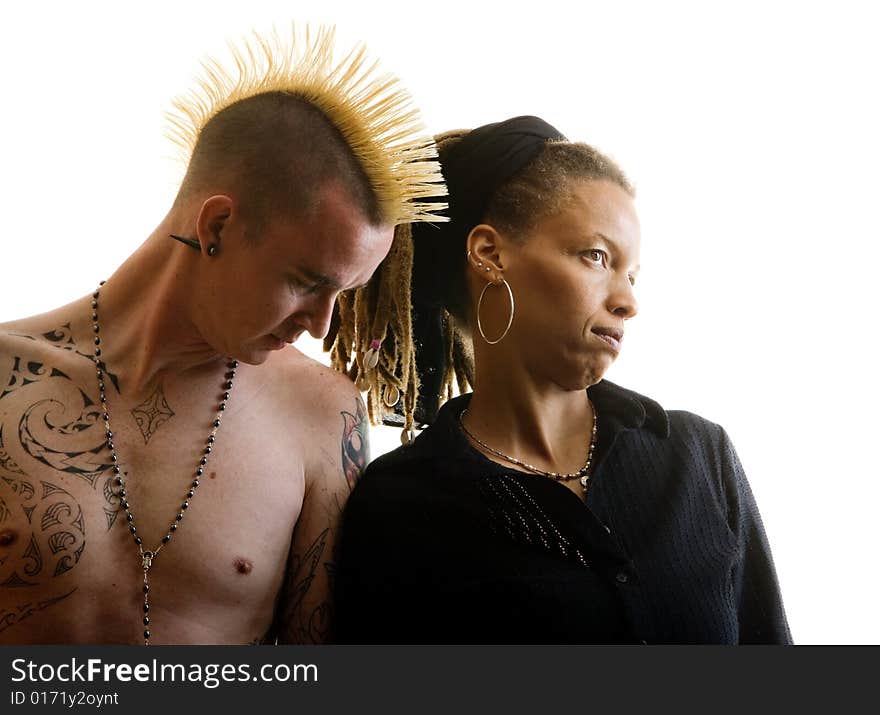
355	444
302	622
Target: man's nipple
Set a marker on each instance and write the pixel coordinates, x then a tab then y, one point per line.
243	566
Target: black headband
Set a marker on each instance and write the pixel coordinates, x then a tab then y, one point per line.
474	169
485	159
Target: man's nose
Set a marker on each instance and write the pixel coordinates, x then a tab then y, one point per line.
319	317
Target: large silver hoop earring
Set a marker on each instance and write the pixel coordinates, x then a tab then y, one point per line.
509	320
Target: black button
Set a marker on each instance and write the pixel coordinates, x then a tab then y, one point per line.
622	577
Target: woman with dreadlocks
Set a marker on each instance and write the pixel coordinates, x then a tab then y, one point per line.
548	505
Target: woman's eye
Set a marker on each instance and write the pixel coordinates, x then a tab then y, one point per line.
595	255
632	279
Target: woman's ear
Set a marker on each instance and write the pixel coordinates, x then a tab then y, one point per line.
484	248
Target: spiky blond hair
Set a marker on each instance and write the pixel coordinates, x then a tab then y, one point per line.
374	115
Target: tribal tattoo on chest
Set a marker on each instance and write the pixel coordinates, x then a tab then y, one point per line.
152	413
52	439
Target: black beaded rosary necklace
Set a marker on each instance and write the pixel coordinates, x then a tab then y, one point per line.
147	557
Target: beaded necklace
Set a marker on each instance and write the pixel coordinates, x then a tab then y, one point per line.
148	556
583	472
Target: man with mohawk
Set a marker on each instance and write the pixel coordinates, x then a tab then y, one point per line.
169	474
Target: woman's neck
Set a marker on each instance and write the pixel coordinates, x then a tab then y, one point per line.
541	424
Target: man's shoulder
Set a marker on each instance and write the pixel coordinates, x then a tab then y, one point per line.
45	339
51	329
327	416
311	389
16	335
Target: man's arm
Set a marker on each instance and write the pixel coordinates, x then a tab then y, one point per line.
305	610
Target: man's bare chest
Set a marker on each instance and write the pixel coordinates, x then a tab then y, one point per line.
64	533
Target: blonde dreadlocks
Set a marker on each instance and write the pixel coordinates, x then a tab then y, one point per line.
371	338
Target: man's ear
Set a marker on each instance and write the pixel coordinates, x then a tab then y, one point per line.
212	218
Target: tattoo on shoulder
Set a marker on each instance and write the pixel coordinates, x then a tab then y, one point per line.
62	430
355	443
49	425
7	463
26	372
62	338
151	414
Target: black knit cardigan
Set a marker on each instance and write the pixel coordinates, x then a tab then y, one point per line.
441	545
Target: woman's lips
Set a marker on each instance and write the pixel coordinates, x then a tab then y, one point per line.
612	337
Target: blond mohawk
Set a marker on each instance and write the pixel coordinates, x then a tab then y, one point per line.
373	113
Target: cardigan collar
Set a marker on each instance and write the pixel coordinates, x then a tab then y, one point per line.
631	409
619	409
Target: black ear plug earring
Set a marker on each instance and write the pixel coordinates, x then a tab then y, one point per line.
193	243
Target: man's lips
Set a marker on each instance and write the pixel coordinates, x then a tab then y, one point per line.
613	337
288	341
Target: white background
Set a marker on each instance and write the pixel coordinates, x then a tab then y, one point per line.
750	130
